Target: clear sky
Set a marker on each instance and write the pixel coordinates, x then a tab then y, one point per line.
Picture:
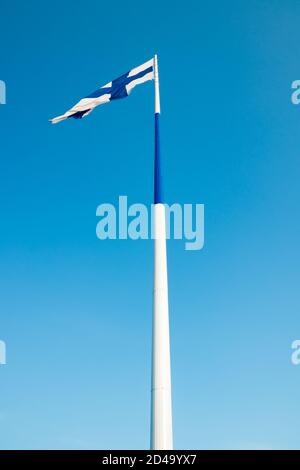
75	312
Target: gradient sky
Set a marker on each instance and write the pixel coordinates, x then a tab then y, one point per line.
75	312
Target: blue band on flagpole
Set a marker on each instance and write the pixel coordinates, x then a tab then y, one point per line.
157	166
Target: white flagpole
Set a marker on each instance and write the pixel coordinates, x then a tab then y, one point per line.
161	403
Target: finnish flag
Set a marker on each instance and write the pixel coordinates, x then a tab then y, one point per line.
117	89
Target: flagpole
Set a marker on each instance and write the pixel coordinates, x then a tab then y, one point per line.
161	402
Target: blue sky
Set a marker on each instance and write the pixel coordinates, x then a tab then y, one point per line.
75	312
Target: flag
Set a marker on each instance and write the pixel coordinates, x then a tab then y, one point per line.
117	89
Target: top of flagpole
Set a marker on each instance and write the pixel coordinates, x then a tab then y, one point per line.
156	85
157	169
